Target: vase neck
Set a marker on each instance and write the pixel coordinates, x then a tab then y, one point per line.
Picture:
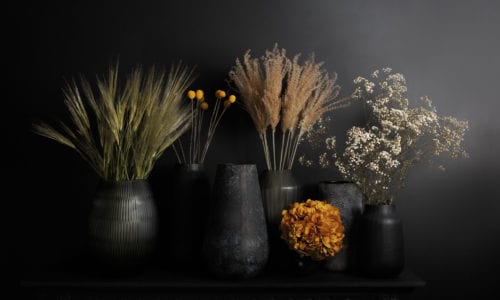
191	167
382	208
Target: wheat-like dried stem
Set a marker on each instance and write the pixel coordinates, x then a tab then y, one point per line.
130	127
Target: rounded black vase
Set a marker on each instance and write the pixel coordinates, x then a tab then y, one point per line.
123	224
381	251
235	244
183	219
347	197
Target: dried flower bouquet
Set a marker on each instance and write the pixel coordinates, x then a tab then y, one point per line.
279	91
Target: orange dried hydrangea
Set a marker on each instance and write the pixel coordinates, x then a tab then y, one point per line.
313	228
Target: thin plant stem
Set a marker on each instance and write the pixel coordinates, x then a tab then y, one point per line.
274	148
281	150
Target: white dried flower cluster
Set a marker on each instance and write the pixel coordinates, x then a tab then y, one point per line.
396	136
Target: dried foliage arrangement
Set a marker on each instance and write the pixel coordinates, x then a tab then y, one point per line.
284	97
396	137
200	137
313	228
122	131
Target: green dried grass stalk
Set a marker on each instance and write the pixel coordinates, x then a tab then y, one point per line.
121	132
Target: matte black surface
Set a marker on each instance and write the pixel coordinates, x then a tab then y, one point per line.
381	242
183	215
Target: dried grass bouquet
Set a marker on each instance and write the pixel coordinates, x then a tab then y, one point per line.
313	228
122	130
279	91
396	136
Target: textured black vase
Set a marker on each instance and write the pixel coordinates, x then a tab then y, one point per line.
184	218
235	243
347	197
123	224
381	241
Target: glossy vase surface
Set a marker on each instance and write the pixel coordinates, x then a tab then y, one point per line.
381	242
236	244
183	217
123	224
279	190
347	197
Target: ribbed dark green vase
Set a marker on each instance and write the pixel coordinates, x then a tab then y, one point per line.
123	224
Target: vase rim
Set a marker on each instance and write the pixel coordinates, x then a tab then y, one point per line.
235	164
278	171
380	205
337	181
112	181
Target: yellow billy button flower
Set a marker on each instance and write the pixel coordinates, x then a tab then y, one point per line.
191	94
201	100
220	94
204	105
199	94
227	103
232	99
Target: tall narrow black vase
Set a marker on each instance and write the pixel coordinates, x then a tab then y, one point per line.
347	197
381	242
184	218
235	244
279	190
123	225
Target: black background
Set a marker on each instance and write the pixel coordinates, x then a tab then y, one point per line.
448	50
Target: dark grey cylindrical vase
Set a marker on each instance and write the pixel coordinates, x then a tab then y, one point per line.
185	216
347	197
381	242
123	224
279	190
235	244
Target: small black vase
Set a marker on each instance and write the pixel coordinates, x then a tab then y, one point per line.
381	242
123	225
184	218
347	197
235	243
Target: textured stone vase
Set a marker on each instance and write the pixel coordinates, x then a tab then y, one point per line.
347	197
184	216
123	224
381	242
235	243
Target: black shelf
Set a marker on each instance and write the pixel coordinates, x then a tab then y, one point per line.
156	283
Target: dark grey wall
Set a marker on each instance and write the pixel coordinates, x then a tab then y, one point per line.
448	50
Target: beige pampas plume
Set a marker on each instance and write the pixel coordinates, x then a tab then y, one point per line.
278	90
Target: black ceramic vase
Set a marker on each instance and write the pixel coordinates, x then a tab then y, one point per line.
123	224
235	243
347	197
183	219
381	242
279	190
